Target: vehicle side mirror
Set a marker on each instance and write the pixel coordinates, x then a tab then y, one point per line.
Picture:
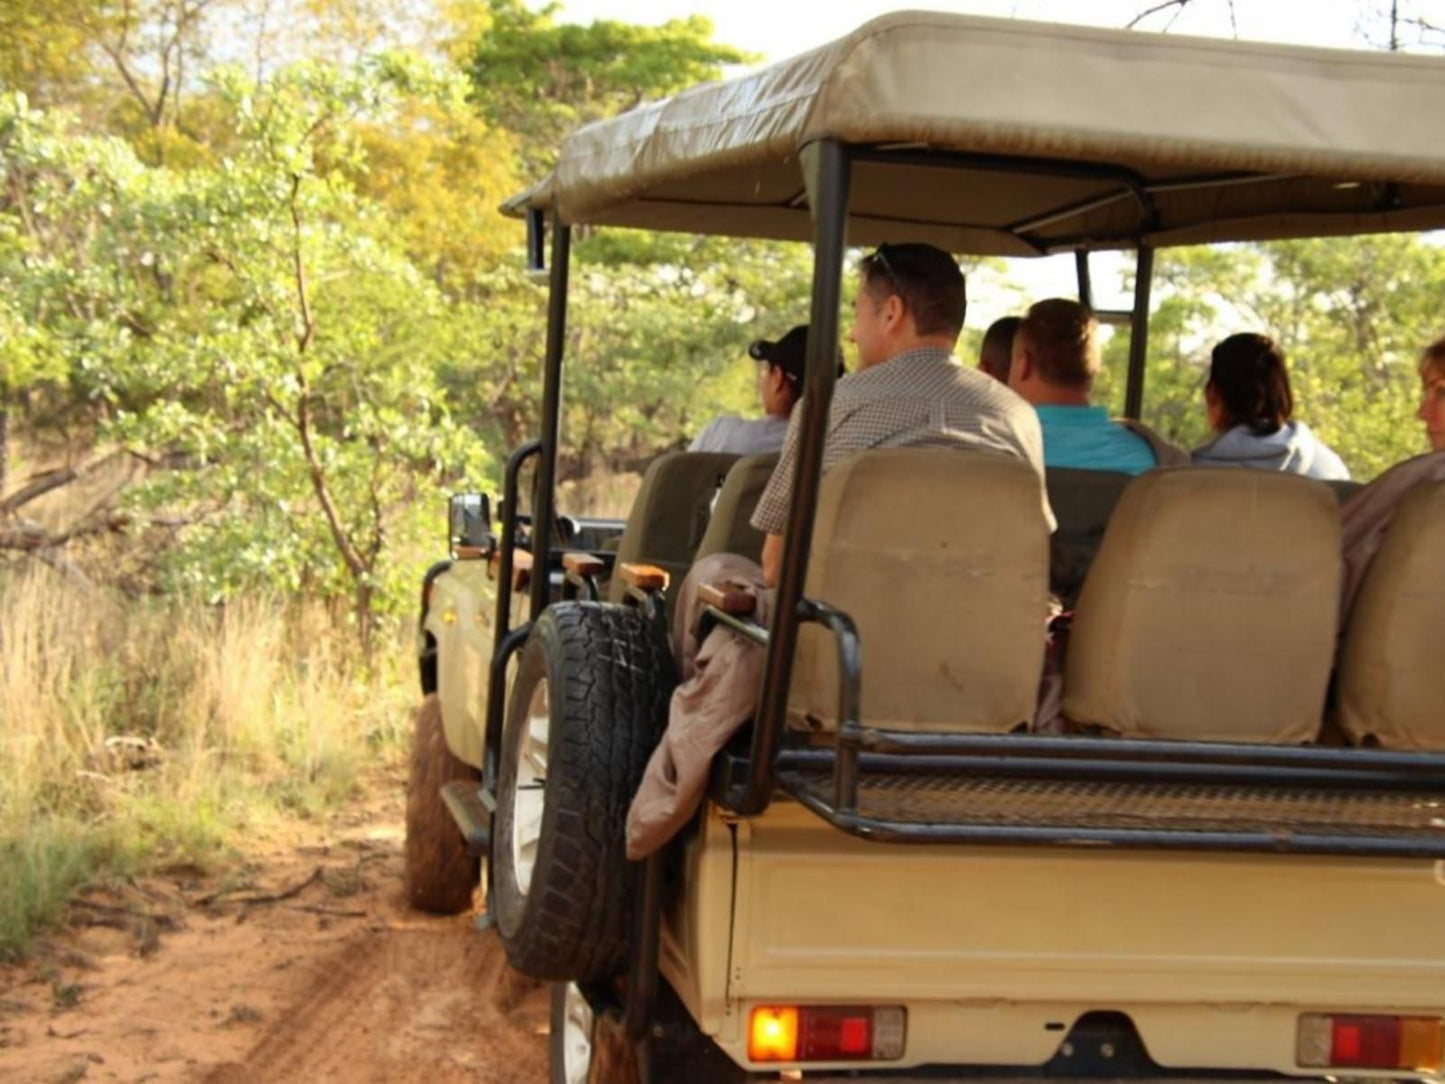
470	522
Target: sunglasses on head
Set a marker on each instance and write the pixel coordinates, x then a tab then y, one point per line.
879	258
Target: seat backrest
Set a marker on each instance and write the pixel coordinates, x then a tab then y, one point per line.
1390	664
940	556
670	513
1083	501
730	530
1210	611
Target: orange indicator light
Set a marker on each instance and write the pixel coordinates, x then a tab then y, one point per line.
773	1034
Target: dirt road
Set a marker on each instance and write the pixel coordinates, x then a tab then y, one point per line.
306	966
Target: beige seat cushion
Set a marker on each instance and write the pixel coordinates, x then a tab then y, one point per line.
1210	611
941	558
1391	664
670	513
730	530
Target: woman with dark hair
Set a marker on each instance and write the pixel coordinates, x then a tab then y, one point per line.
1252	410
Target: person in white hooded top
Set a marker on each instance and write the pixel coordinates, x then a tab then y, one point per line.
1251	409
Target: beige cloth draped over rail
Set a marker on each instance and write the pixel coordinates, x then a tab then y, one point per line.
717	694
1366	516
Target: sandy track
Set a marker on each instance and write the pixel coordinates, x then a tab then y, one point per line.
338	981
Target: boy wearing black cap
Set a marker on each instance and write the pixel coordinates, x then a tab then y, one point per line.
780	384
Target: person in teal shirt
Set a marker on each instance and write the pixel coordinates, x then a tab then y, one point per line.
1055	360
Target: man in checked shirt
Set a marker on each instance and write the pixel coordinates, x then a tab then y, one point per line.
909	390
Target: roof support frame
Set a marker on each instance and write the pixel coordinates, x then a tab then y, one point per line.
1136	319
544	494
1132	183
1139	332
1086	293
827	166
536	240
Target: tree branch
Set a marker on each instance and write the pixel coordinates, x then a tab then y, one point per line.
302	420
22	203
308	322
349	553
37	487
30	537
378	521
47	481
1155	10
130	81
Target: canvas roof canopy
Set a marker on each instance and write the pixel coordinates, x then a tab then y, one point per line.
1004	137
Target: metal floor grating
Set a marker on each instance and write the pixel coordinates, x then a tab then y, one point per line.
903	803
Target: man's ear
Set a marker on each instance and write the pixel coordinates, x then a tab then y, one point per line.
894	312
780	382
1021	368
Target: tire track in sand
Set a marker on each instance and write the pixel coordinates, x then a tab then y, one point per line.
403	1006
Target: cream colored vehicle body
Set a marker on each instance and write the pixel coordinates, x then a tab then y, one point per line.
996	953
995	137
459	620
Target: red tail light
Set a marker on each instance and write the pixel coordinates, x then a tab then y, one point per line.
778	1033
1326	1041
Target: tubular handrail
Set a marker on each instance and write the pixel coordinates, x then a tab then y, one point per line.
506	647
1408	788
510	517
859	748
850	697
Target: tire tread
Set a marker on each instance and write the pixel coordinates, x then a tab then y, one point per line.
611	677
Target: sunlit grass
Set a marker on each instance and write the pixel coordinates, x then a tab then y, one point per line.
135	733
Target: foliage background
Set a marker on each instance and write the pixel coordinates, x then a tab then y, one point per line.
279	281
258	316
253	243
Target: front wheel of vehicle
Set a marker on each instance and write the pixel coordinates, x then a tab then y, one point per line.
440	874
588	705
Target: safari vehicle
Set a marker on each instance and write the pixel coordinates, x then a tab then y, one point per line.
1230	872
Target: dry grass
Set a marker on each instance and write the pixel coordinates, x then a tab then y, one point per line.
602	493
137	733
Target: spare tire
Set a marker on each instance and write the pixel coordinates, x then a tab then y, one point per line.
587	707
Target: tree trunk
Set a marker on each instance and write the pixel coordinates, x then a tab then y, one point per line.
365	619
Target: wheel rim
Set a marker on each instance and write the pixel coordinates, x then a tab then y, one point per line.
576	1036
530	795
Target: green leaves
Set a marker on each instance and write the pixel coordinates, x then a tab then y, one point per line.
255	323
293	294
541	79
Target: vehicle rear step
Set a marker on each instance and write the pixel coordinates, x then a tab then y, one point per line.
466	804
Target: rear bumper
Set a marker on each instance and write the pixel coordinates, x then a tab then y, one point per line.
964	1076
997	953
